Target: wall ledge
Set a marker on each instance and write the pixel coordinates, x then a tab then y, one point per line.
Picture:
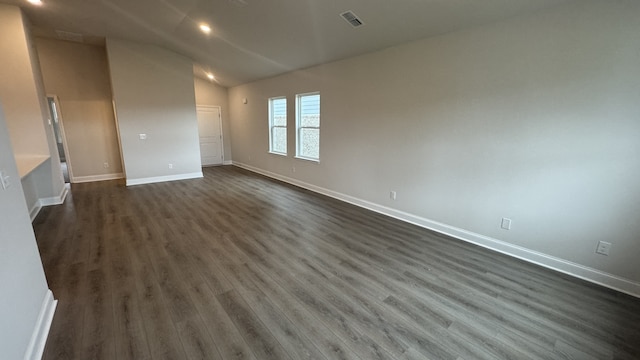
156	179
589	274
38	340
28	163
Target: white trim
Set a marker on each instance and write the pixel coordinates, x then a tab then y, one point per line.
42	326
624	285
155	179
115	120
307	159
277	153
35	210
92	178
54	200
56	101
227	162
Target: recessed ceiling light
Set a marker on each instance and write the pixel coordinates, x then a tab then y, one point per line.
35	2
205	28
210	76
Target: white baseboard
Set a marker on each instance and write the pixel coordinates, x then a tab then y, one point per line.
157	179
570	268
41	329
54	200
227	162
92	178
35	210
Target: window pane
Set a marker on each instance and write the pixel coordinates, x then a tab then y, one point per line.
278	125
279	139
310	143
309	120
279	108
280	120
310	110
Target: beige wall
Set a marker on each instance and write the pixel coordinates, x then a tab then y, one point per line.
154	95
78	74
22	93
18	86
210	94
535	119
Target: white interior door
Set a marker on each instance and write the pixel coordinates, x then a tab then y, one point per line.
210	129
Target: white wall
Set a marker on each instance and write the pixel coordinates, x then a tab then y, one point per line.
22	281
154	94
535	119
78	74
210	94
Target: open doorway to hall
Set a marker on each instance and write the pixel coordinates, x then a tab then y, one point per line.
58	130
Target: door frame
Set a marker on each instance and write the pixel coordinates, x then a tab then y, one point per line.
67	155
205	107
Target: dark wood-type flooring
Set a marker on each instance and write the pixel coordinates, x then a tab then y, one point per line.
239	266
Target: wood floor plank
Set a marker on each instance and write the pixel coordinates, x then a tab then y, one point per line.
130	337
239	266
262	343
98	329
161	332
326	341
229	341
295	343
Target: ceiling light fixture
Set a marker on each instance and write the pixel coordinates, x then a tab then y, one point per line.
35	2
210	76
205	28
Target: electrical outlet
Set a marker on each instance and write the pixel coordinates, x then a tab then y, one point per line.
603	248
506	223
106	165
170	166
293	169
143	136
392	195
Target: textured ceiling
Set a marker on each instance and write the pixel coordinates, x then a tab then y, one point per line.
254	39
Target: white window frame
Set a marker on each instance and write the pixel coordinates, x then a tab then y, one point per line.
299	127
272	126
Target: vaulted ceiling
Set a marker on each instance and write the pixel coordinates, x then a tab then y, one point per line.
254	39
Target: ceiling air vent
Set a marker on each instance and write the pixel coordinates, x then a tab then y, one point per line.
352	18
69	36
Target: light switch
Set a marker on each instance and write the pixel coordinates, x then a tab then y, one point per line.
143	136
4	179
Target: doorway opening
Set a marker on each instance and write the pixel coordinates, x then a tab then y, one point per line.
58	131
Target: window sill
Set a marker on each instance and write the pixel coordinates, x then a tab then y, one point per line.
277	153
308	159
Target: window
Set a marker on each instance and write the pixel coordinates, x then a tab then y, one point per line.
308	126
278	125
